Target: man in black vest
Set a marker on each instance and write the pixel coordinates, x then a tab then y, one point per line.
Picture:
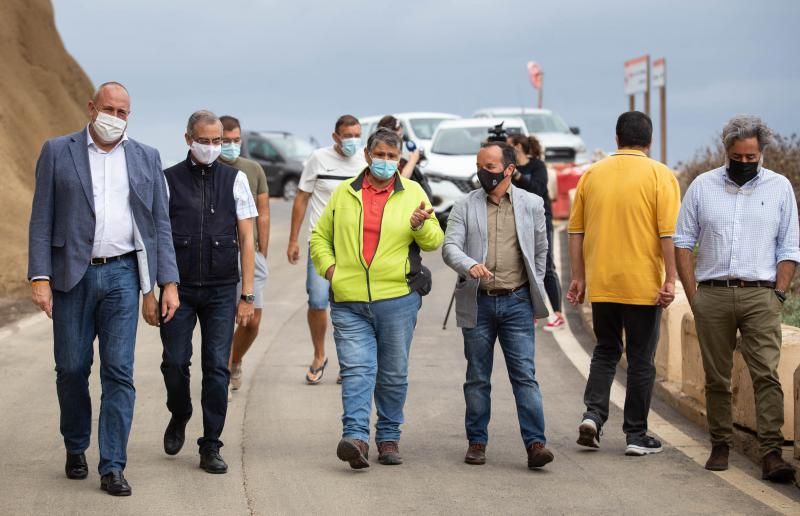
212	211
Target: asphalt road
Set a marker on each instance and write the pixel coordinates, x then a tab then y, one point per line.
281	435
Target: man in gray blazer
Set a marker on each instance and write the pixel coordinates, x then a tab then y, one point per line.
497	243
100	233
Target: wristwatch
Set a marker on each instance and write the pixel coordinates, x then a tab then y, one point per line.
781	295
248	298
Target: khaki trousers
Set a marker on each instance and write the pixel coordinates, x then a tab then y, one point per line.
756	313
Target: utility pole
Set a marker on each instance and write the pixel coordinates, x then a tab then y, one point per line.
660	82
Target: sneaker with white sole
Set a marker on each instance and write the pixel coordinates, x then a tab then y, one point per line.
645	445
236	376
588	434
558	323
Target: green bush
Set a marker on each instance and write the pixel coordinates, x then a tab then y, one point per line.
783	157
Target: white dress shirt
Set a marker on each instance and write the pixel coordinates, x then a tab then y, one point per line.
113	231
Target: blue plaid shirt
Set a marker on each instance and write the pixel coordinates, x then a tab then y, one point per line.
742	233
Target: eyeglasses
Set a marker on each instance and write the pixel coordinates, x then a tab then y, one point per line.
207	141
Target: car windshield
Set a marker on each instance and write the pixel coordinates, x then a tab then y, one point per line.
292	147
424	127
463	140
544	123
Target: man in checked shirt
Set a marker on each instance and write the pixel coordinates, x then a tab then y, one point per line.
743	219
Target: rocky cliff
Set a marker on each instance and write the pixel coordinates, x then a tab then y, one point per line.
43	93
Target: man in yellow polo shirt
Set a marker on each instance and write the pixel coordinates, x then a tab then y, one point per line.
620	243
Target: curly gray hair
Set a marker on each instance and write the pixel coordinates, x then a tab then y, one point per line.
742	127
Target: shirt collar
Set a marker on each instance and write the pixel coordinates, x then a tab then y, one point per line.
387	188
90	142
723	173
629	152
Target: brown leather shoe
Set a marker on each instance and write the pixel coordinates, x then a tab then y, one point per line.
389	453
476	454
353	451
718	460
539	456
775	469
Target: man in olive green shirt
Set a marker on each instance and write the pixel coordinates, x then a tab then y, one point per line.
245	335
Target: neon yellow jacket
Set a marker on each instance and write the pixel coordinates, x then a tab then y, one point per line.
338	239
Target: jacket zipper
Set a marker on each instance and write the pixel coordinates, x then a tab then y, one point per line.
202	221
361	247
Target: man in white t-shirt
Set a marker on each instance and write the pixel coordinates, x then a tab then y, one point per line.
324	172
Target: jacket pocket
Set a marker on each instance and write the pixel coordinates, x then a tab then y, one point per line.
224	256
183	253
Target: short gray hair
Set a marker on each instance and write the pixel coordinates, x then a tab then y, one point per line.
202	116
742	127
386	136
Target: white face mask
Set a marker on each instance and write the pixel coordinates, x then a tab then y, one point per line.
205	154
108	128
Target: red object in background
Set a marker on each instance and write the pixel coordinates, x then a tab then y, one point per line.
567	177
535	74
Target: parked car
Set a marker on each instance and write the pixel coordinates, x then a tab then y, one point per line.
562	144
282	155
419	127
451	159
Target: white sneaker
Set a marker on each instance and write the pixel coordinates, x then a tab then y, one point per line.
230	395
236	376
588	435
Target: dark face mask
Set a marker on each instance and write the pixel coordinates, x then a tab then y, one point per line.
490	180
741	172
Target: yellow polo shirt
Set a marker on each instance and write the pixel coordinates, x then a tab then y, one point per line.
624	205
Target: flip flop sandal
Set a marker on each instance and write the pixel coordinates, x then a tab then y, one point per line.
312	371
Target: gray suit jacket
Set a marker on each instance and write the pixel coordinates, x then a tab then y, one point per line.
466	244
63	217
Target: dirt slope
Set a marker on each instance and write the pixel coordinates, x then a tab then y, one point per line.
43	93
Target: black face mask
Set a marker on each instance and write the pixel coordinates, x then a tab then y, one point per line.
490	180
741	172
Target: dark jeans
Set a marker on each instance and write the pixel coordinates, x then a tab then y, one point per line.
215	308
641	325
509	318
104	304
552	285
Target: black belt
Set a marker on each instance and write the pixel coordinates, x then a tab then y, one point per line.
737	283
499	292
105	260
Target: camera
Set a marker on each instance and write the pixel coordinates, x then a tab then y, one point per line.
497	134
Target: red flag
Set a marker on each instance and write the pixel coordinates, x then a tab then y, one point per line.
535	74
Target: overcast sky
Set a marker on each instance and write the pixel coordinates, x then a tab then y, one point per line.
296	65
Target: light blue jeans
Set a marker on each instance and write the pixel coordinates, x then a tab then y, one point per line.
317	287
373	342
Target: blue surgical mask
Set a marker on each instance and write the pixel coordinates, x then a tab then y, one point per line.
350	146
383	168
230	151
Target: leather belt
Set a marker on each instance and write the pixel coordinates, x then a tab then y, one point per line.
737	283
105	260
499	292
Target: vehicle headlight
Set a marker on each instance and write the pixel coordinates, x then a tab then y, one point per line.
580	149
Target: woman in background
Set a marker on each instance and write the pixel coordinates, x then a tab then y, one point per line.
531	175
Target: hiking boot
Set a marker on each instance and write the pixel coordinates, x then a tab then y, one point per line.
718	460
389	453
775	469
476	454
644	445
588	434
538	456
353	451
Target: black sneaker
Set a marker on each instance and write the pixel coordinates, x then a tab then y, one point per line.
644	445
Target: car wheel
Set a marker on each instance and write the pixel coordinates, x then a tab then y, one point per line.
290	188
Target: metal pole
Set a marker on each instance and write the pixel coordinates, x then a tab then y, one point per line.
631	103
647	90
541	89
663	117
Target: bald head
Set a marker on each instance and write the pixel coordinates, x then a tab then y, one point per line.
111	98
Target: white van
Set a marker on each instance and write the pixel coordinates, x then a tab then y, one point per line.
562	144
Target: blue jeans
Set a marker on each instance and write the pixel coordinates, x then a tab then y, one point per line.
373	341
104	304
215	308
509	318
317	287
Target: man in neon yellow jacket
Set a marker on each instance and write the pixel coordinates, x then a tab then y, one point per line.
367	244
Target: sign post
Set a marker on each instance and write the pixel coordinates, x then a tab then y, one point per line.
660	82
637	80
536	76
